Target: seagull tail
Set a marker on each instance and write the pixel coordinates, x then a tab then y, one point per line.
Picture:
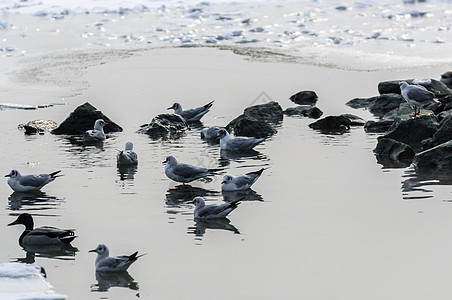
214	171
209	105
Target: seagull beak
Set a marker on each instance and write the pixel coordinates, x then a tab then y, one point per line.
223	182
12	223
94	250
8	175
170	107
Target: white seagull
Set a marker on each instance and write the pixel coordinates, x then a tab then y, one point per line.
240	182
106	263
29	183
97	134
184	173
212	211
193	114
418	96
45	235
237	143
127	156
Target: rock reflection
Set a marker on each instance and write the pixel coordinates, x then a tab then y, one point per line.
416	183
35	200
245	195
202	225
115	279
61	252
226	156
127	172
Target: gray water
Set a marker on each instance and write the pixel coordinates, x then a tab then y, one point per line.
324	221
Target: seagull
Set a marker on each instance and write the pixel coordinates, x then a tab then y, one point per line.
446	78
211	133
43	235
193	114
418	96
127	156
29	183
185	173
240	182
237	143
106	263
97	134
212	211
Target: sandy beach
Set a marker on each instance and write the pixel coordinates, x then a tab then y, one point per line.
331	222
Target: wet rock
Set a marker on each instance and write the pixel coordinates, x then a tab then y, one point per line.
38	126
165	126
378	126
257	121
446	78
413	131
438	157
355	120
332	124
82	119
378	105
442	135
305	111
435	86
304	98
390	152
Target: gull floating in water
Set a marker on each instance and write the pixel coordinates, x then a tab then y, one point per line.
29	183
418	96
184	173
127	156
240	182
106	263
97	134
193	114
212	211
211	134
237	143
43	235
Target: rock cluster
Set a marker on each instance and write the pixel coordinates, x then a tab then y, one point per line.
165	126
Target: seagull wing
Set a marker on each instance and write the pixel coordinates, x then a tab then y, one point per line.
419	93
32	180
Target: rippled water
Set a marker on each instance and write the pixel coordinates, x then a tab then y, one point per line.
324	221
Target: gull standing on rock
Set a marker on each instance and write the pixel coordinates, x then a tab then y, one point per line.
43	235
29	183
193	114
418	96
240	182
106	263
127	156
184	173
212	211
97	134
237	143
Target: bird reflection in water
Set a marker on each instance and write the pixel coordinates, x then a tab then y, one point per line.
127	172
60	252
228	155
245	195
184	193
202	224
37	199
106	280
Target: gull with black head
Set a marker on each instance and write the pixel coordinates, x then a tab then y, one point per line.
192	114
29	183
106	263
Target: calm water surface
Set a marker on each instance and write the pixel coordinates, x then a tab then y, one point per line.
324	221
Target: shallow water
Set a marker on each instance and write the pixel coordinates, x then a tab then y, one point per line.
325	220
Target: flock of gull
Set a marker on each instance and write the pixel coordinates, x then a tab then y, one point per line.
174	170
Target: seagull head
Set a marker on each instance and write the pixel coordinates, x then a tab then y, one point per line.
99	124
176	106
13	174
170	160
403	84
101	249
222	133
199	201
129	146
226	178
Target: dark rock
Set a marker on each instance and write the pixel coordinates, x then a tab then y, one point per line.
257	120
438	157
378	126
332	124
385	103
165	126
390	152
38	126
305	111
268	112
82	119
355	120
245	125
442	135
361	102
413	131
432	85
304	98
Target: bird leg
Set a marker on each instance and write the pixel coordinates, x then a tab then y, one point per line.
415	112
